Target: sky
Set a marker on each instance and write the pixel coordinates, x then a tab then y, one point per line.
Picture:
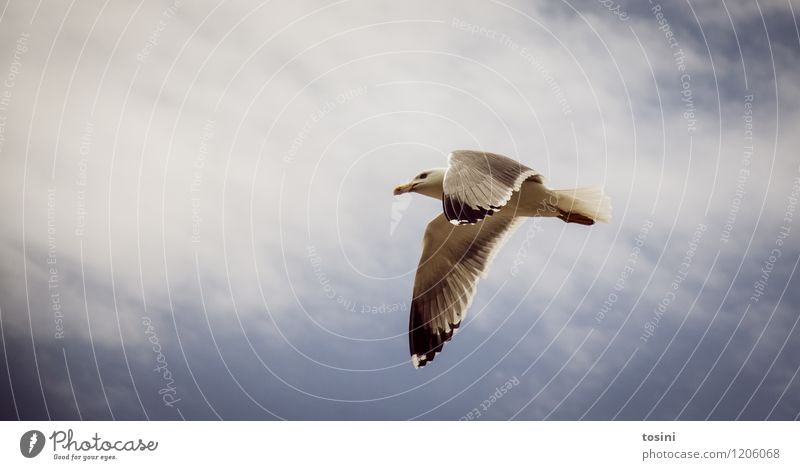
198	219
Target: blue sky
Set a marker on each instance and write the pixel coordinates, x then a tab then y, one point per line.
199	221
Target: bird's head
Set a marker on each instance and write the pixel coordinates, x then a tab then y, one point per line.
429	182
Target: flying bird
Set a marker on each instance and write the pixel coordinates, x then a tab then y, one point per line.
484	198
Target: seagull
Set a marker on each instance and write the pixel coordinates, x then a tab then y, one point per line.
484	197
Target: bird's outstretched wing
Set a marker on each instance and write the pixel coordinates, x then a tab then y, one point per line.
478	184
453	258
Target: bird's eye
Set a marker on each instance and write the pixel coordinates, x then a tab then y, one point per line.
423	176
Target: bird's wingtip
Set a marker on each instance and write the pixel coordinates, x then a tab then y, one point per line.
418	361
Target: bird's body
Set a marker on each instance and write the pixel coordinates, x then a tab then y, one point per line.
484	197
533	199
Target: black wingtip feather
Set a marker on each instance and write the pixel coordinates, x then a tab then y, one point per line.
462	213
422	342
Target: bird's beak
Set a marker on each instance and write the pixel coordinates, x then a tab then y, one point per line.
403	188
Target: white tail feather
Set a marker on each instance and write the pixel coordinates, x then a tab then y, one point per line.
590	201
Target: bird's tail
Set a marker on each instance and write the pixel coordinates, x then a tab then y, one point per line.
583	206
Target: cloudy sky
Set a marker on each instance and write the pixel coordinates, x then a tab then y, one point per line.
198	220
